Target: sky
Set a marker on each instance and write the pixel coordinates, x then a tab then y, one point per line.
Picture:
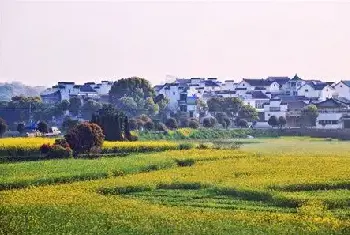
43	42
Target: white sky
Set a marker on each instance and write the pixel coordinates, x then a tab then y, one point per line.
45	42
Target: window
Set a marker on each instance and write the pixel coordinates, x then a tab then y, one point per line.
243	84
174	93
306	90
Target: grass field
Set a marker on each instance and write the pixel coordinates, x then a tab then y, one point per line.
273	186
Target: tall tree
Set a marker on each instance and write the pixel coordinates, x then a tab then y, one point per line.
128	105
282	121
138	88
273	121
43	127
74	105
248	112
309	115
150	107
90	107
3	127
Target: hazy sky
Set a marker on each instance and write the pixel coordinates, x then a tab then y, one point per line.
45	42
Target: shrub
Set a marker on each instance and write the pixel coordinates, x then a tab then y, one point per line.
184	122
62	142
149	125
57	151
43	127
133	124
186	146
171	123
185	162
84	137
209	122
69	123
3	127
45	148
242	123
205	145
145	118
273	121
21	128
161	127
194	124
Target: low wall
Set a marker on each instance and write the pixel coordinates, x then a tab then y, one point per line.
342	134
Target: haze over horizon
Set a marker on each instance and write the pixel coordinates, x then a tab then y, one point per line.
42	43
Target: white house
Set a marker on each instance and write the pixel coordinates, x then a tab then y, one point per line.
320	91
292	86
275	107
331	112
342	89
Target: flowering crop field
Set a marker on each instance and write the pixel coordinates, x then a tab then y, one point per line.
28	148
277	186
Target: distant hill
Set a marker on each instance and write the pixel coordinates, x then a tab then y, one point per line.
8	90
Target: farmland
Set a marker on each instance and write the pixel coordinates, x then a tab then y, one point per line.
269	186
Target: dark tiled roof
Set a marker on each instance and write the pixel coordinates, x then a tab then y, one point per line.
342	100
259	88
241	89
210	83
330	103
296	77
295	105
66	83
257	82
86	88
347	83
259	95
319	86
229	80
279	80
76	86
212	78
89	83
183	80
225	92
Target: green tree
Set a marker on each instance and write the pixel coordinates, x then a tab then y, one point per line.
3	127
151	107
309	115
69	124
171	123
43	127
138	88
215	104
21	127
194	124
231	105
273	121
202	106
242	123
282	121
248	112
74	105
128	105
209	122
90	107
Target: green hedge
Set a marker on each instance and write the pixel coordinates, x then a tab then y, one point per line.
208	133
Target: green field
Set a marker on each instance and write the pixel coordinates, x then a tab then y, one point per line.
269	186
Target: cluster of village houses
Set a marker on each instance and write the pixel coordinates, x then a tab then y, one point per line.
272	96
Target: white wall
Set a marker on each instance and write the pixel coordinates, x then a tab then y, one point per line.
273	88
329	117
342	90
326	93
308	91
278	113
244	84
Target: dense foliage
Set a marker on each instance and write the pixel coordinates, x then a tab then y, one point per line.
3	127
85	138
